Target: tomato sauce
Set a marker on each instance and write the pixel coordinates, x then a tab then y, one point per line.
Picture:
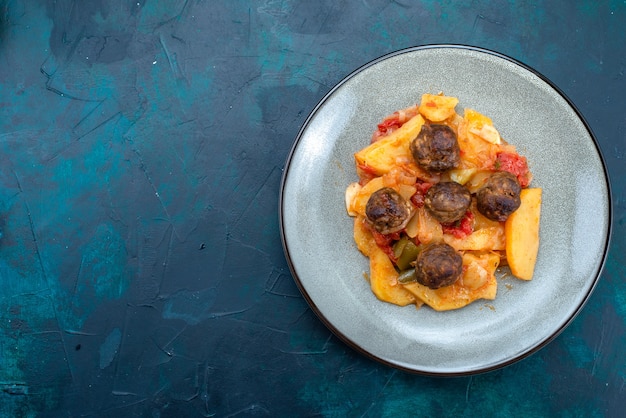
366	173
393	122
461	228
418	198
385	242
514	164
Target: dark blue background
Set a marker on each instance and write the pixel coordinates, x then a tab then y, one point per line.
142	145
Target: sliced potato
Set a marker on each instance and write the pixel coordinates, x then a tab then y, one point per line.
437	108
362	236
462	175
385	154
479	275
384	279
522	234
490	238
406	191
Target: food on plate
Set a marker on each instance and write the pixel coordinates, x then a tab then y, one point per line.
442	201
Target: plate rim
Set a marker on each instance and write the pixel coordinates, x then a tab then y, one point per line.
355	346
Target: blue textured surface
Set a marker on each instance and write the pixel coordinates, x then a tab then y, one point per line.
141	268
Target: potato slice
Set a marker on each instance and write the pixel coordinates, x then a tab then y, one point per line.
437	108
385	154
362	236
406	191
491	238
522	234
384	279
462	175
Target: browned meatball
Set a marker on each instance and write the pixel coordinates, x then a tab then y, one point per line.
438	265
387	211
436	148
447	201
499	197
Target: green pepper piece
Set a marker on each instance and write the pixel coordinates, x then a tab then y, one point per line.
398	247
407	276
408	256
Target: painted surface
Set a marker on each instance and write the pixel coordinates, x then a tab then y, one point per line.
142	142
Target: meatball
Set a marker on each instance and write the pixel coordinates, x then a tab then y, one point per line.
387	211
436	148
447	201
438	265
499	197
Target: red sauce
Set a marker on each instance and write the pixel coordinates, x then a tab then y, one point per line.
387	126
390	123
422	187
366	173
393	122
462	228
515	164
385	242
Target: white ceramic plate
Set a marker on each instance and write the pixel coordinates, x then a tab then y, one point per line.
531	114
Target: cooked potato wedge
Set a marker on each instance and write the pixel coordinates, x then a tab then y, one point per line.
522	234
384	279
491	238
385	154
437	108
362	236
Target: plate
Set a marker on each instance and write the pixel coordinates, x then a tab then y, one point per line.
532	114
